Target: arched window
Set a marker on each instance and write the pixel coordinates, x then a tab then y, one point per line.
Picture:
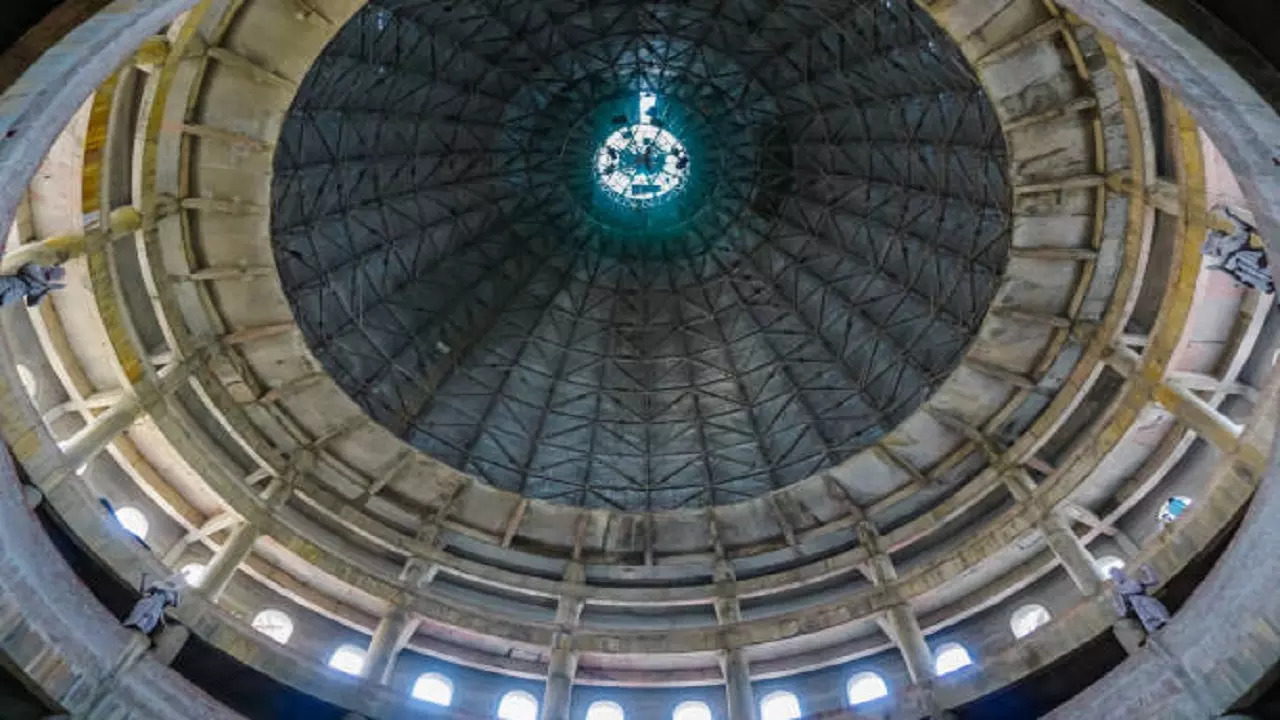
28	379
605	710
192	574
518	705
434	688
951	657
275	624
1027	618
691	710
779	705
865	687
1173	508
348	659
1104	564
132	519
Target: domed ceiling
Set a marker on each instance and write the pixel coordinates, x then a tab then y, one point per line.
640	255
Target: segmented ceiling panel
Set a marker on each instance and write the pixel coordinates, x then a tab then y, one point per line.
452	260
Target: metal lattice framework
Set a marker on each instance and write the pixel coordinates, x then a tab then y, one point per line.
437	234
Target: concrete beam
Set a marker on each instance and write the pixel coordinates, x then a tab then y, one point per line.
231	137
1202	418
56	250
152	53
94	437
227	560
562	664
249	67
389	639
1073	555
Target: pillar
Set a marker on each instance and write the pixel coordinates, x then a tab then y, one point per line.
101	431
1204	419
739	698
61	248
562	666
904	629
169	643
1075	558
94	437
226	561
389	639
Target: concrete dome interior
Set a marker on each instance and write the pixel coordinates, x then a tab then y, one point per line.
453	264
608	360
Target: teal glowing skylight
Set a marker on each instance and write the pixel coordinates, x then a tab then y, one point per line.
642	162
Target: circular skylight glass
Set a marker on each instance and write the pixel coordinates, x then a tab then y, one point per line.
642	163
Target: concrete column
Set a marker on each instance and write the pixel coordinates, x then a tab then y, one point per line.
1207	422
560	671
61	248
1073	555
903	627
94	437
106	427
739	698
169	643
223	566
563	663
1217	429
389	639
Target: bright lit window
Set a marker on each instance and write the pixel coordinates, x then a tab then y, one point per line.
951	657
605	710
518	705
1173	508
642	161
132	519
1027	618
28	379
192	574
275	624
434	688
1104	565
779	705
691	710
348	658
865	687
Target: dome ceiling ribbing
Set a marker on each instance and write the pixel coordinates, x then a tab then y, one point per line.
457	265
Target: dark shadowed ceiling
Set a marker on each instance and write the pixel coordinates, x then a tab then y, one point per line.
456	264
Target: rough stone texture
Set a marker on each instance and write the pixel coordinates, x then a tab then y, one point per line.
64	640
352	553
36	108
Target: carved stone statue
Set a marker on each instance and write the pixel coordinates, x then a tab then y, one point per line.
32	282
1236	257
148	613
1130	595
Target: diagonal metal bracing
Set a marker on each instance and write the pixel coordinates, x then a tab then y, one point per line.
440	236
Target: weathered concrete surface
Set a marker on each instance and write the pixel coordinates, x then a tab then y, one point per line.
36	108
1205	64
492	518
65	642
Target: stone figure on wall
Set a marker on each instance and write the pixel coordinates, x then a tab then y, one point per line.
148	613
1130	595
1235	255
32	282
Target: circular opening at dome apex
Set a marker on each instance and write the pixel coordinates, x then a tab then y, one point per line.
642	162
